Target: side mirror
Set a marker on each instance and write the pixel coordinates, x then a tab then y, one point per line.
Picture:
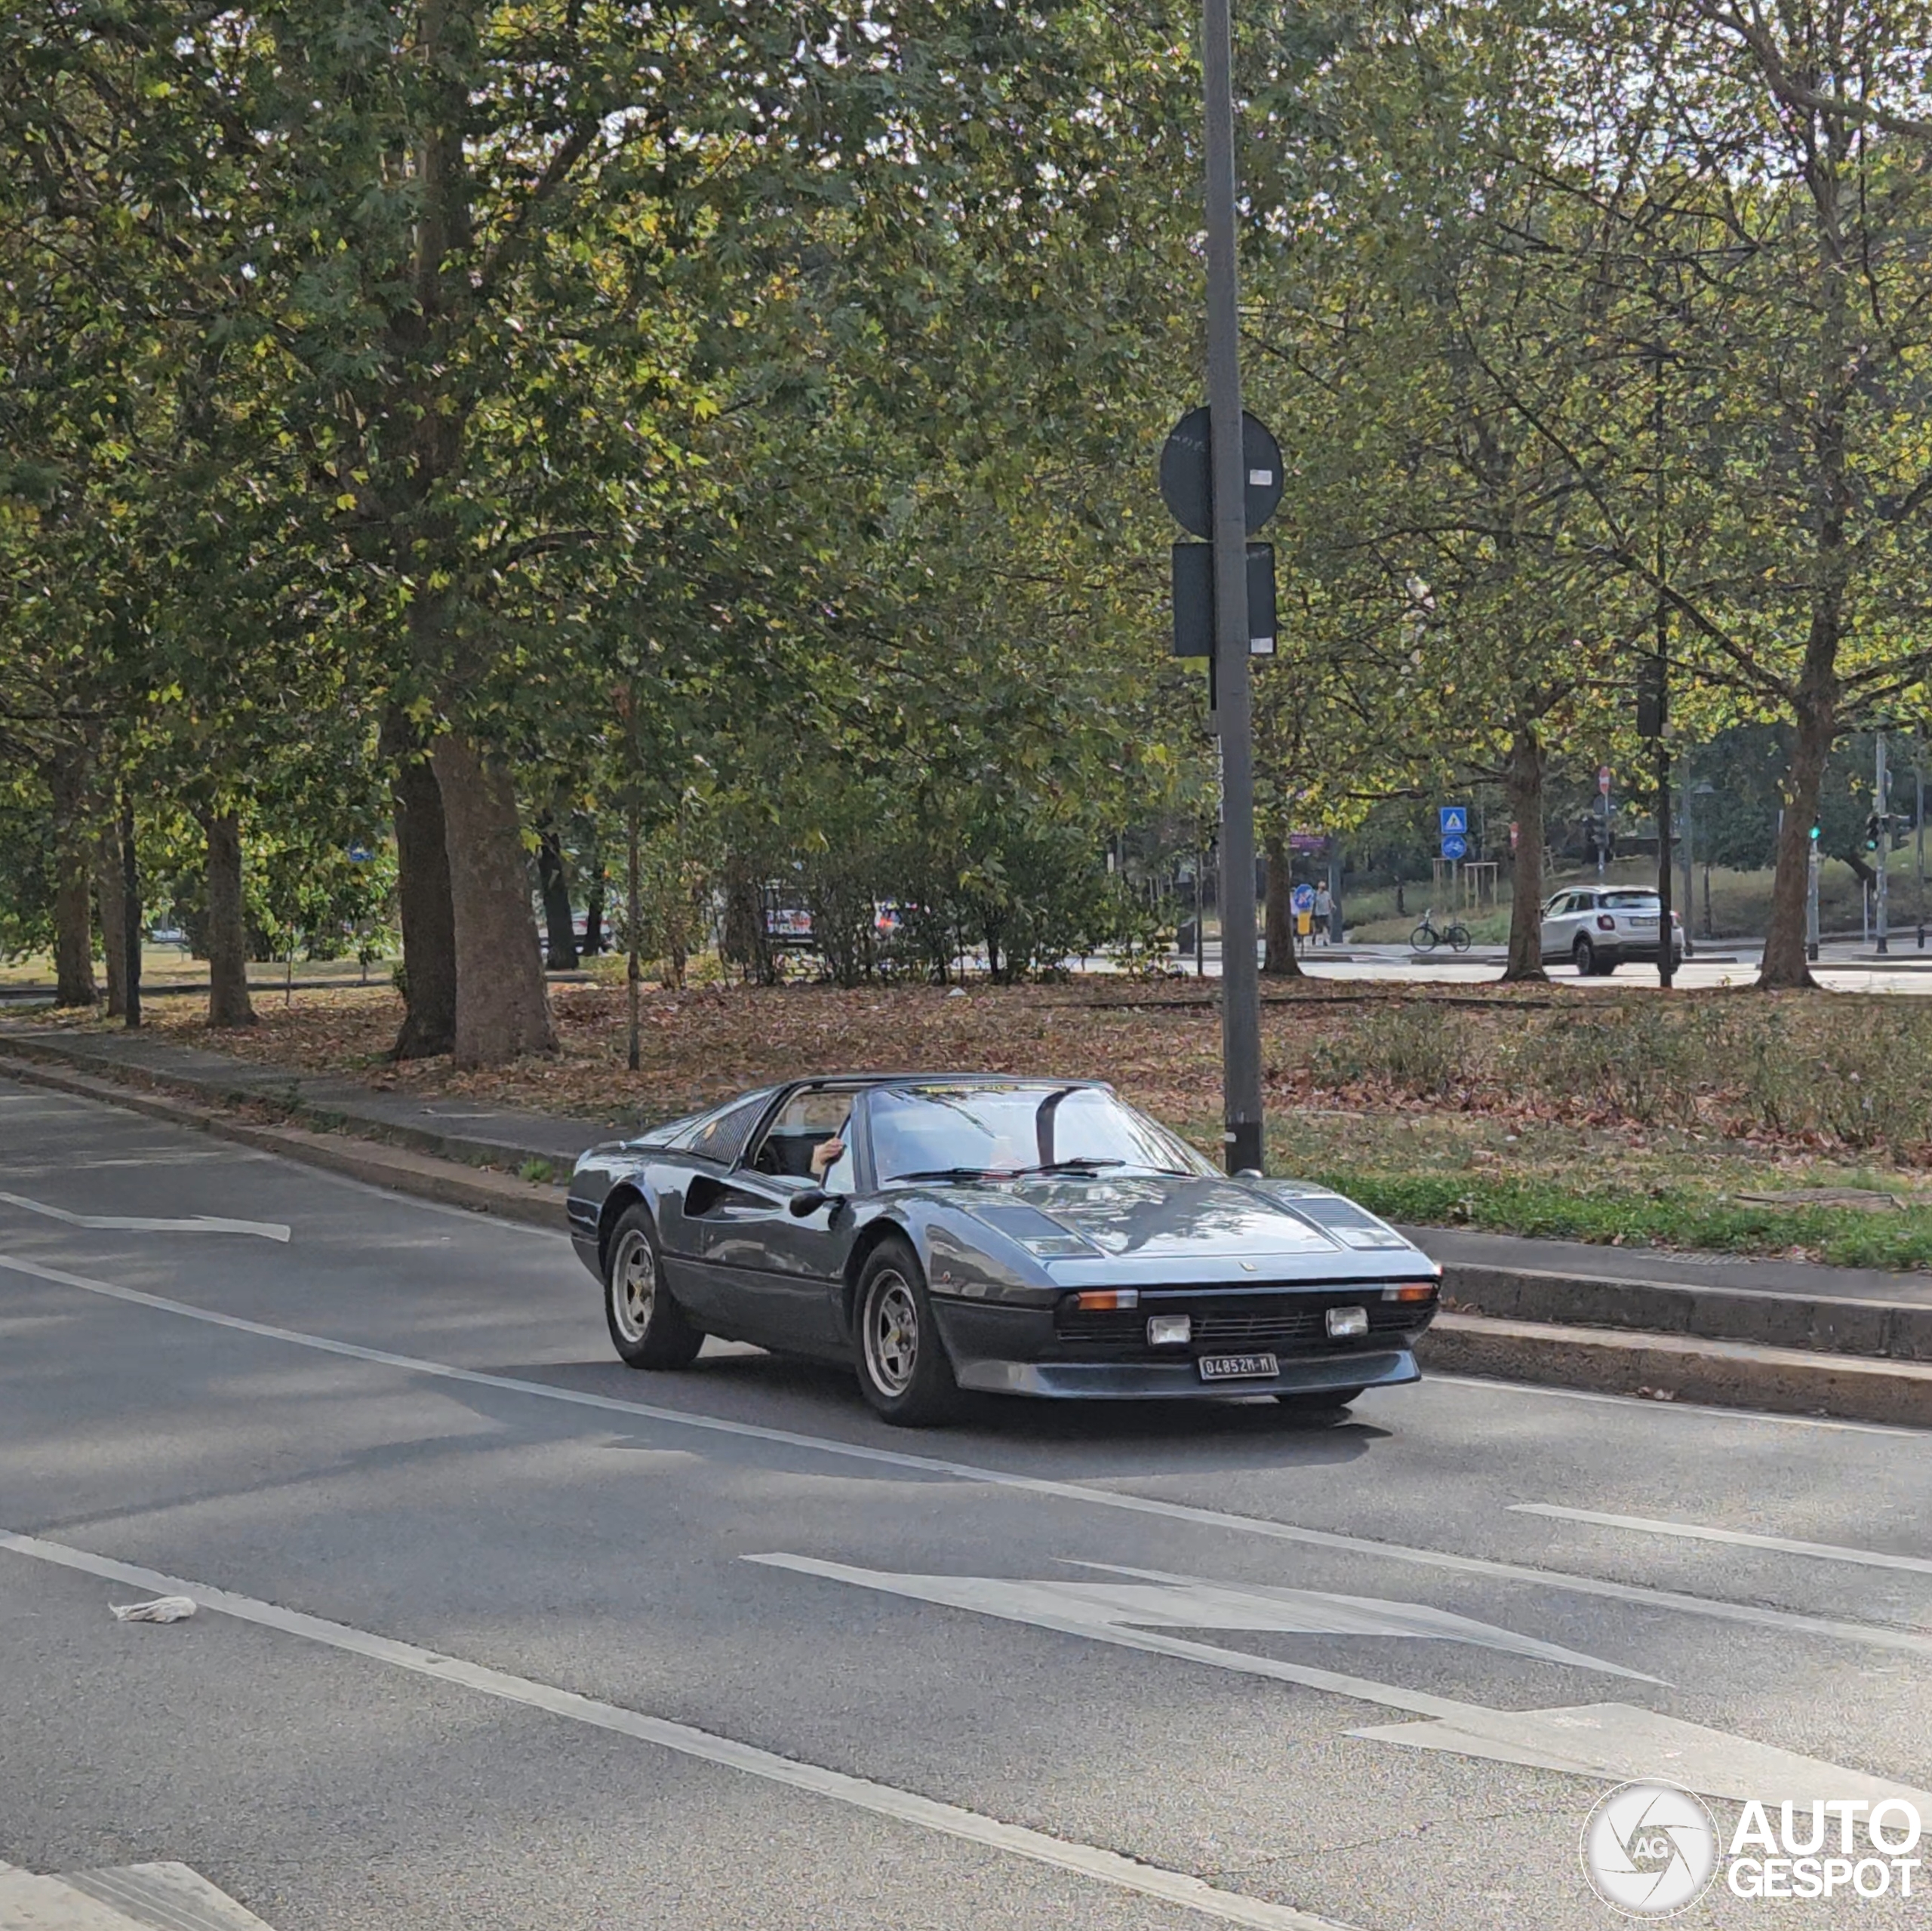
808	1201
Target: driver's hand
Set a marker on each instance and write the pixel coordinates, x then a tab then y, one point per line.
824	1155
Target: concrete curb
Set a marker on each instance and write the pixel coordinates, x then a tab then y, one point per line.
1728	1374
1884	1331
535	1203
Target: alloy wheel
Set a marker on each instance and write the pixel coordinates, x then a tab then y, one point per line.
633	1287
892	1334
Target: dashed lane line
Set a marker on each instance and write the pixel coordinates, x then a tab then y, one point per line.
1735	1538
1911	1642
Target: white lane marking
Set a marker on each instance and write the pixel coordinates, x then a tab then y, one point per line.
1911	1642
904	1806
170	1897
1155	1599
1617	1742
1623	1744
120	1223
1740	1538
1704	1409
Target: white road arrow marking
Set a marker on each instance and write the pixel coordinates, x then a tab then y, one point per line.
202	1223
1616	1741
1156	1600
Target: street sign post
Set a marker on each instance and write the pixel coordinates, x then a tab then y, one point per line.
1453	825
1187	485
1603	840
1242	491
1455	848
1193	602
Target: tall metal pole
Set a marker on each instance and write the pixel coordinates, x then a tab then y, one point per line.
1240	986
1881	797
1666	940
1684	850
1918	828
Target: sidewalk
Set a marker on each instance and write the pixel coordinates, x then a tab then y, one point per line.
1780	1334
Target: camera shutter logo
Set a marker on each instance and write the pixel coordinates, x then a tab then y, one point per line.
1649	1849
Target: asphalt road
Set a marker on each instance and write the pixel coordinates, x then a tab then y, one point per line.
515	1637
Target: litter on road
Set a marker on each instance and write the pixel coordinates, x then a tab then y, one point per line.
163	1609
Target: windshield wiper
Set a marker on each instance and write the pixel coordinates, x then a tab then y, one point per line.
1081	1165
954	1173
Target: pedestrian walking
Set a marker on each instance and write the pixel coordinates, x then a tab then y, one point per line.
1324	910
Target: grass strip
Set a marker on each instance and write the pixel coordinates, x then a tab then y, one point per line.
1841	1237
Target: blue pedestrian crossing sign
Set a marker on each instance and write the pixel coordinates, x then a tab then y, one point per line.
1454	820
1454	848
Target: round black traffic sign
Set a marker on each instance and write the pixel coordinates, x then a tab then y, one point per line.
1187	488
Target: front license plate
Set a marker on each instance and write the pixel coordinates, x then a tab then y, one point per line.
1237	1367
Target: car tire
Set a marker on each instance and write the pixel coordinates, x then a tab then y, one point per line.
1585	954
648	1328
903	1368
1320	1402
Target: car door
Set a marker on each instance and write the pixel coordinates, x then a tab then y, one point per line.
781	1272
1556	929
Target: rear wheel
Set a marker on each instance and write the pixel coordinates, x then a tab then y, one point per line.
1585	954
902	1370
648	1328
1459	938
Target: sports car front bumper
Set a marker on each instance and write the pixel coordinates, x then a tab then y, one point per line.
1009	1350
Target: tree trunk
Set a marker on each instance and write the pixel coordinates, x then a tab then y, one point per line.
228	925
422	904
561	954
593	899
110	889
501	1008
73	895
1277	957
1785	963
1524	773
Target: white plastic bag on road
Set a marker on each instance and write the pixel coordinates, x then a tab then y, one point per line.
163	1609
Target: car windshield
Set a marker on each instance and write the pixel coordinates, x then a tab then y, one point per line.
960	1132
1630	901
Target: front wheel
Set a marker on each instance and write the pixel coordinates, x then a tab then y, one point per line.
1459	938
1422	939
903	1372
648	1328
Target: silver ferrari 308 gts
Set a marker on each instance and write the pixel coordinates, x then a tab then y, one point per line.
974	1231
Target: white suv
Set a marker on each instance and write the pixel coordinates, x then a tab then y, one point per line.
1596	928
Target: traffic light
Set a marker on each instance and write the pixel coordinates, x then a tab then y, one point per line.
1871	824
1814	834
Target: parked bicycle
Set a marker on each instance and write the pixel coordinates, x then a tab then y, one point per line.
1428	936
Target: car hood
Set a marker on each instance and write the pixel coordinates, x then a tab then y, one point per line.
1152	1217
